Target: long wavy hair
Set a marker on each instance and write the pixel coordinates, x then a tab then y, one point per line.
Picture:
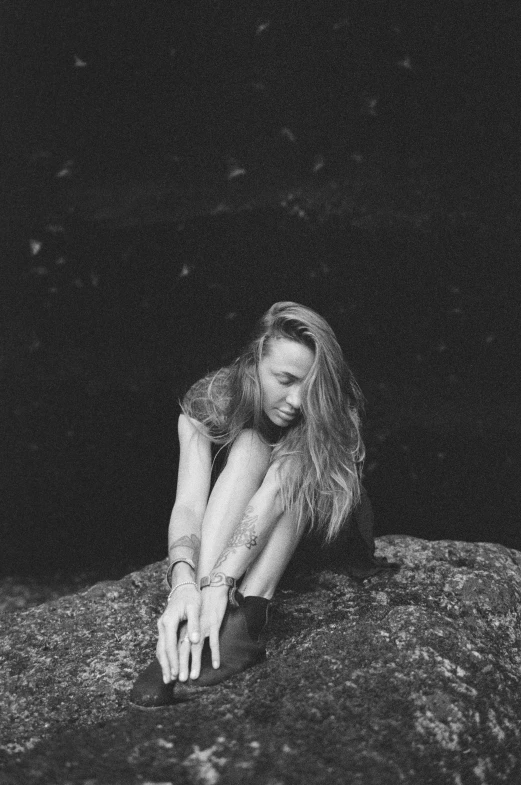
320	456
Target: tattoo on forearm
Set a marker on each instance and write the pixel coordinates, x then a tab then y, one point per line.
244	534
192	542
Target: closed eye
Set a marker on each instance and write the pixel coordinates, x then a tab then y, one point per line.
285	380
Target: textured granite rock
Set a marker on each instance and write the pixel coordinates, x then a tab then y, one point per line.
409	677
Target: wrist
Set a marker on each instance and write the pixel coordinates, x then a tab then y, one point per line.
178	586
221	582
180	570
213	590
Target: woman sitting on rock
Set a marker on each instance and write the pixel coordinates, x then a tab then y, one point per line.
285	419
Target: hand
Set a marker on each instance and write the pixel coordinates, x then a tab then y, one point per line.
179	621
215	600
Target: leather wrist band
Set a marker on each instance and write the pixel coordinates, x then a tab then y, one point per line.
220	579
184	559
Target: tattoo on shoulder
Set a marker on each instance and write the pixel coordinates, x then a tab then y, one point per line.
244	534
192	542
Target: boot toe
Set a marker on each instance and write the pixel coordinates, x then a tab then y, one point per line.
149	689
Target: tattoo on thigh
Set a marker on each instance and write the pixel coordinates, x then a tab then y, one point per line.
244	534
192	542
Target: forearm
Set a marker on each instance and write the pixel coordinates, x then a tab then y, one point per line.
184	542
251	534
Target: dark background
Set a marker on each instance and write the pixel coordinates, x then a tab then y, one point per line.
172	169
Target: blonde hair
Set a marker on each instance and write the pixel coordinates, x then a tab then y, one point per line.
320	457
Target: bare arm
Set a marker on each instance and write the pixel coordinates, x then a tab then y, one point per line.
251	534
244	545
242	548
193	485
184	538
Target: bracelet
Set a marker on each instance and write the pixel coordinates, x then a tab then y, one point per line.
183	583
220	579
184	559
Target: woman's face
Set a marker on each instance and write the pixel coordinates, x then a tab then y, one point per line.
282	371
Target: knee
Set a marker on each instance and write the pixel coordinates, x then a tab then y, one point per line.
250	452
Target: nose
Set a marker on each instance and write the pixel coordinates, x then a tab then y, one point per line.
294	398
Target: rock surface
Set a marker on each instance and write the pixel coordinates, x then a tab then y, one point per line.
409	677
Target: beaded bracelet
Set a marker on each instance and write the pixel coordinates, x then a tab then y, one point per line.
183	583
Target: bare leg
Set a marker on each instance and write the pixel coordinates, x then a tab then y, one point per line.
266	571
242	476
239	480
240	640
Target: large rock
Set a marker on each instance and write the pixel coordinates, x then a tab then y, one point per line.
410	677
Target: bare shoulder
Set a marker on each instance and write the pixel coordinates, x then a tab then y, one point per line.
188	428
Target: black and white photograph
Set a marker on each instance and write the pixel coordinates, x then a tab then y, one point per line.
260	357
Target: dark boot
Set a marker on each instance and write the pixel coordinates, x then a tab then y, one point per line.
241	644
241	641
149	689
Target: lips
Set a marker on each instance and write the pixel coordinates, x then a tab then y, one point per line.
287	415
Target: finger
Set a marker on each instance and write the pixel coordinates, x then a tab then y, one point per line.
196	651
163	662
170	645
193	627
163	659
214	645
184	655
